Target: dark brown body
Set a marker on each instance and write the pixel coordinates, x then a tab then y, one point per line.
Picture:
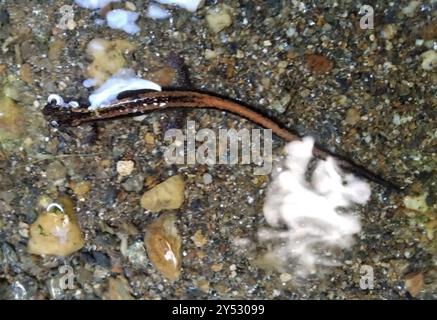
144	102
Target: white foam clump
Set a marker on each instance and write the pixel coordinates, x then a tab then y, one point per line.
123	80
310	210
94	4
156	12
123	20
190	5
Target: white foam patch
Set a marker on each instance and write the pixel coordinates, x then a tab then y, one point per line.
190	5
156	12
123	20
315	227
123	80
94	4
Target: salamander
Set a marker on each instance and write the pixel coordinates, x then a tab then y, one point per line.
132	103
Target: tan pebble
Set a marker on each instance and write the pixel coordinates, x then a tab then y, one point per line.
219	19
56	231
414	284
285	277
163	245
352	116
149	138
11	120
210	54
130	6
429	32
164	196
108	57
199	239
431	229
105	163
81	188
217	267
203	285
260	180
389	31
201	254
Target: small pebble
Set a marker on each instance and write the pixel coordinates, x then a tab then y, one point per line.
217	267
134	183
429	60
318	63
23	229
125	168
81	188
207	178
219	19
163	245
389	31
166	195
199	239
56	231
285	277
416	203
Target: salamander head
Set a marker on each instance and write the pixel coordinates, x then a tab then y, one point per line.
59	113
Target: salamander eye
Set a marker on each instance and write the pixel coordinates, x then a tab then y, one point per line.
57	99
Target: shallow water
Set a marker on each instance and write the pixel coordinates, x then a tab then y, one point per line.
365	94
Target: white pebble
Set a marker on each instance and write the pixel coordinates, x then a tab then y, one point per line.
207	178
429	60
125	168
285	277
123	20
156	12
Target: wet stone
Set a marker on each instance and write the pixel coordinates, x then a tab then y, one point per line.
136	253
163	244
